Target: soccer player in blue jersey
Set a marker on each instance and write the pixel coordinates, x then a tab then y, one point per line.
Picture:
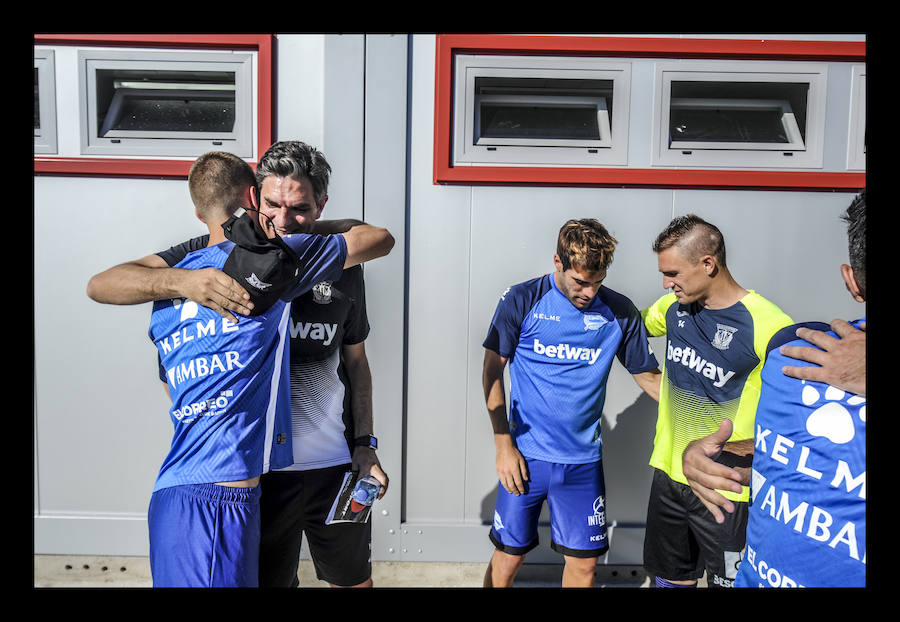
716	333
559	333
807	524
228	381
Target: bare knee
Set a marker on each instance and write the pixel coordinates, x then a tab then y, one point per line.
502	569
579	571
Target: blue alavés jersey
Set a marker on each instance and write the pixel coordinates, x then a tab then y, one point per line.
559	361
229	382
807	518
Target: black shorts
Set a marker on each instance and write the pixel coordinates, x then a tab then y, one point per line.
683	539
294	502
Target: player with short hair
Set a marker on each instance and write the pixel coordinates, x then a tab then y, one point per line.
228	381
716	332
331	390
560	334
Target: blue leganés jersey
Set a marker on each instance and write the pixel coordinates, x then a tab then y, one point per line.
559	361
229	383
807	522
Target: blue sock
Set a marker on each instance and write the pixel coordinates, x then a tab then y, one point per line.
660	582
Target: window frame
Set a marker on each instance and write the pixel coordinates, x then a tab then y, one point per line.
610	149
447	46
45	138
856	139
735	155
164	144
263	100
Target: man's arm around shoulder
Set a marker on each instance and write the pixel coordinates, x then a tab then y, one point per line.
366	242
150	278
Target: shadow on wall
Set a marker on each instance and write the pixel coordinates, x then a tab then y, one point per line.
626	453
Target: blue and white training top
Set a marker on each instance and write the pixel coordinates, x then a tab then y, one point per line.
229	383
559	361
807	519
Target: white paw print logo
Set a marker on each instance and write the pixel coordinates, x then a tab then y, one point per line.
832	419
188	308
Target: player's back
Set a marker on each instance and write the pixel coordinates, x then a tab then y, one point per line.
227	385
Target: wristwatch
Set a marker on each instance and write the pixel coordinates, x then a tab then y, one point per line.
366	441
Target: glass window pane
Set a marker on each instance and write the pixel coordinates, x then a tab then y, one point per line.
187	101
519	121
727	125
735	125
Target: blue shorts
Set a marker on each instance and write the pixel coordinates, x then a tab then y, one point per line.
576	496
204	535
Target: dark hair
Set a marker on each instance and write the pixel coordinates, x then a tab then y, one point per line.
293	158
585	244
694	236
217	182
855	217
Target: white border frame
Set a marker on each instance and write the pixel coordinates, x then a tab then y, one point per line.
856	140
606	152
45	138
168	144
665	155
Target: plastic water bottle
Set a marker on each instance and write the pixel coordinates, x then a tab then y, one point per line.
364	493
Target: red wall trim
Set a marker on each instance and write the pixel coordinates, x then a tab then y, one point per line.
650	47
263	44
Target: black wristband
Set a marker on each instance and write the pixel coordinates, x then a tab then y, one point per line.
366	441
733	460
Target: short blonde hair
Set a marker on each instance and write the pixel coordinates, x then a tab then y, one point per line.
217	183
585	244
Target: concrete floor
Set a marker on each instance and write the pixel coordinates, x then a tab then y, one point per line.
61	571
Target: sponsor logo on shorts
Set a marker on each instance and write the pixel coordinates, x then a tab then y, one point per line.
732	561
498	524
598	518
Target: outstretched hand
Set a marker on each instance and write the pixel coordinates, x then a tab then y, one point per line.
840	362
705	475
